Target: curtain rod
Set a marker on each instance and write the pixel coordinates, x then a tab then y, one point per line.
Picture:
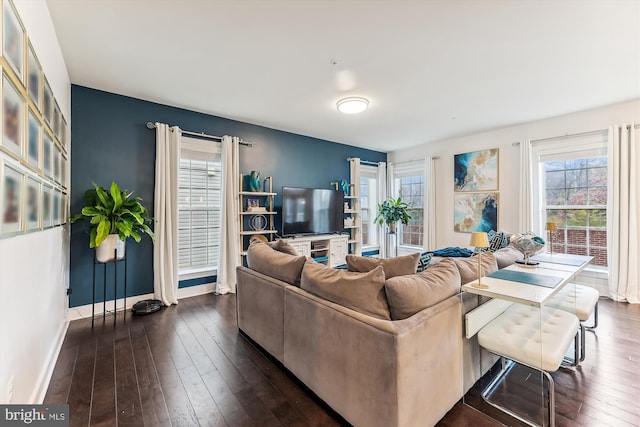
204	135
365	162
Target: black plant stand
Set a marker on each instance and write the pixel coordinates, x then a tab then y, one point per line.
115	262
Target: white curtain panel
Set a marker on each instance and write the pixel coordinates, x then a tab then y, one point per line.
165	250
354	170
623	214
429	237
230	221
385	187
525	221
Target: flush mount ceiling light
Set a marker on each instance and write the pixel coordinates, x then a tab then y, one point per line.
353	105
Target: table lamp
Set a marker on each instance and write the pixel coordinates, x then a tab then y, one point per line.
551	227
480	241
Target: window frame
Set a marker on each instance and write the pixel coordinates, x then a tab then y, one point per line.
408	170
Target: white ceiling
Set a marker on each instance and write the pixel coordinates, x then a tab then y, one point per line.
432	70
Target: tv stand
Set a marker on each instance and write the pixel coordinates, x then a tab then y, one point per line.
328	249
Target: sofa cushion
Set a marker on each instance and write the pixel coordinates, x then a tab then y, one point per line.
410	294
266	260
468	267
506	256
284	247
397	266
362	292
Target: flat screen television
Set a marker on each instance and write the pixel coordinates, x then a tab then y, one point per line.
312	211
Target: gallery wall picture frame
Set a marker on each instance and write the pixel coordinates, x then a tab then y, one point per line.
34	141
47	155
13	112
13	39
34	78
476	170
47	103
32	204
475	212
12	181
47	191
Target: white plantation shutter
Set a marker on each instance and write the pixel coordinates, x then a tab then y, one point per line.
199	202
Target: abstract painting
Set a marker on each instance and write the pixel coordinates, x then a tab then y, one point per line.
475	212
476	171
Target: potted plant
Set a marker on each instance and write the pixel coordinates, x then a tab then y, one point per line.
114	215
391	211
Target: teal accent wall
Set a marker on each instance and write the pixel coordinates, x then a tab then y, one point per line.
110	141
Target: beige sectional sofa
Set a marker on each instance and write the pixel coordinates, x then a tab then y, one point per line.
333	330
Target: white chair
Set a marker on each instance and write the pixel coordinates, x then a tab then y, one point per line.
537	338
583	302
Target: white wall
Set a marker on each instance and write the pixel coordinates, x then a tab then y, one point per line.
34	268
503	139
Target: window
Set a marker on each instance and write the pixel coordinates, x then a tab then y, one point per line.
409	181
199	208
576	200
368	206
570	189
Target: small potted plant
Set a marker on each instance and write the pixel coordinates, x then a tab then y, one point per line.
114	215
391	211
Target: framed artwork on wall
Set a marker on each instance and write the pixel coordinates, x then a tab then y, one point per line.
13	105
32	204
475	212
13	39
46	206
34	131
476	171
34	78
10	199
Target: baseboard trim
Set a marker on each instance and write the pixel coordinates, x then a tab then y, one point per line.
42	386
84	311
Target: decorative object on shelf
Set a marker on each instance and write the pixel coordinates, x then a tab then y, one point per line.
346	206
475	212
253	205
348	221
528	244
258	237
551	227
254	181
267	184
476	171
114	216
258	222
335	184
480	241
344	186
391	211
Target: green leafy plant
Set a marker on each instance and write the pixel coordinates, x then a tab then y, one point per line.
114	212
391	211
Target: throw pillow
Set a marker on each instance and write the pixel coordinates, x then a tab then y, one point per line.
284	247
497	240
424	261
362	292
263	259
398	266
468	267
408	295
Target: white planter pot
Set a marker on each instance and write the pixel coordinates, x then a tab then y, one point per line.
110	247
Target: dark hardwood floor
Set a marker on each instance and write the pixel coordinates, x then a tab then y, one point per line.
188	365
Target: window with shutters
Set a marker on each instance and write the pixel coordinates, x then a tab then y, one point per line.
199	208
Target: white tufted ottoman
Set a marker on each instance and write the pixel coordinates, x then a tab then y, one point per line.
538	338
581	300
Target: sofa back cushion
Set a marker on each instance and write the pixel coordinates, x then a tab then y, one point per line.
468	267
362	292
397	266
284	247
410	294
266	260
506	256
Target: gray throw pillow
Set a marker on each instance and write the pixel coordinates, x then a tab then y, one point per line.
397	266
362	292
408	295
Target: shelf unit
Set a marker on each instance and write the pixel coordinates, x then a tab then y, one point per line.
352	210
329	249
247	218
